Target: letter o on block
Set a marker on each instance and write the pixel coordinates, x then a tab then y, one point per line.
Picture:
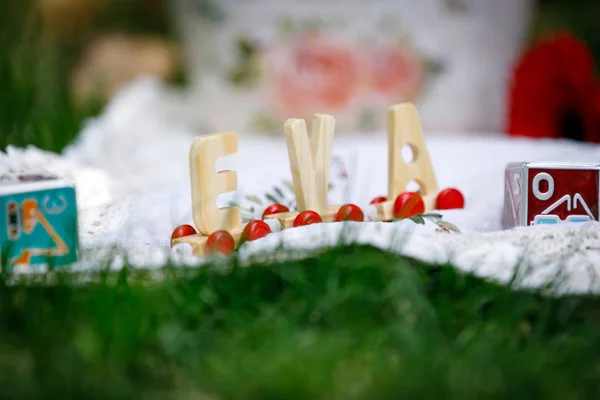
542	176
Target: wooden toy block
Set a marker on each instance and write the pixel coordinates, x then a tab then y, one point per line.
198	241
208	184
287	219
309	165
385	210
38	221
550	193
309	160
404	129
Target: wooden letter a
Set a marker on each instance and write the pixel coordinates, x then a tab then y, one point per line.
404	129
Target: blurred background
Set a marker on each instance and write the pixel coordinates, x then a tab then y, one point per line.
248	65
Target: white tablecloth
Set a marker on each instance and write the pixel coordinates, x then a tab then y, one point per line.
131	170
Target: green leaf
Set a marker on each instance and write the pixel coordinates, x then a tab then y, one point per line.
448	225
432	215
279	193
418	219
271	198
254	199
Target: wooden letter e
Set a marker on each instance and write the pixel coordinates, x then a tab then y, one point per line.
208	184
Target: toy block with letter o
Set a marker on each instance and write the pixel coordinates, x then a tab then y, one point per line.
38	221
550	193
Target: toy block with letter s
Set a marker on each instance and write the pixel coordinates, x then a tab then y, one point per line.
38	221
220	230
550	193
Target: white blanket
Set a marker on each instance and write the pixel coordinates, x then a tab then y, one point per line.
130	166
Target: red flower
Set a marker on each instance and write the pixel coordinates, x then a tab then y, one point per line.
553	92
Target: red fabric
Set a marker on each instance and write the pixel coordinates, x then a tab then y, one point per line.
553	77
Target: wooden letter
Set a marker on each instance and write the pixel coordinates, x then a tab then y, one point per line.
309	160
208	184
404	128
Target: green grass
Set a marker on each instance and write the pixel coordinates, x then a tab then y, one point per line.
36	107
36	104
352	323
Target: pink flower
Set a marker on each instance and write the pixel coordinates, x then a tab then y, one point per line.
396	72
311	73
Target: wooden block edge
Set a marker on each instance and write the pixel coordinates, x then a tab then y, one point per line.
198	241
385	211
286	219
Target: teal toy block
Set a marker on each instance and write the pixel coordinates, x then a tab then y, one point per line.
38	221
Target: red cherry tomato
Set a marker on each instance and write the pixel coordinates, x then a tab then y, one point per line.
255	230
378	200
350	212
306	218
220	242
408	204
182	231
449	199
275	209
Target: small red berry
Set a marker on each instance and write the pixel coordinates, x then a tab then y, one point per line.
182	231
306	218
220	242
350	212
255	230
275	209
408	204
378	200
449	199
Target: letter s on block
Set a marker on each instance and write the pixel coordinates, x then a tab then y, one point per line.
208	184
